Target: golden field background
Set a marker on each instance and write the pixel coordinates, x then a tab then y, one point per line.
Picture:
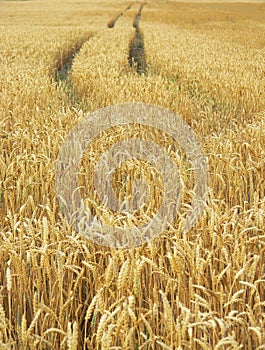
203	290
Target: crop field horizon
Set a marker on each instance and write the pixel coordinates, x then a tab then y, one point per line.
63	61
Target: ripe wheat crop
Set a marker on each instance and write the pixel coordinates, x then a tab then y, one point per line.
201	290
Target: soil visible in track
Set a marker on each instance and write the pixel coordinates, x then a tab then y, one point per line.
61	73
112	22
136	55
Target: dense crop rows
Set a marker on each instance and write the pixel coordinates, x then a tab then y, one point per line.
201	290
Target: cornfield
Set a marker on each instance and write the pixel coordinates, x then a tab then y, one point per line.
203	61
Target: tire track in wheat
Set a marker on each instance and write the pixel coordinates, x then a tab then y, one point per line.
136	56
112	22
62	70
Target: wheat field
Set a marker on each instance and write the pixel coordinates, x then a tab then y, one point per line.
204	61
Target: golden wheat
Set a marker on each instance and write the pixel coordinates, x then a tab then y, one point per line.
201	290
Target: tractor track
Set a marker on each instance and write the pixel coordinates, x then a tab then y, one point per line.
62	71
137	18
112	22
136	55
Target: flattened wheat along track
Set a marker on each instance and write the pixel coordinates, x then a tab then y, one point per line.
112	22
136	53
137	57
